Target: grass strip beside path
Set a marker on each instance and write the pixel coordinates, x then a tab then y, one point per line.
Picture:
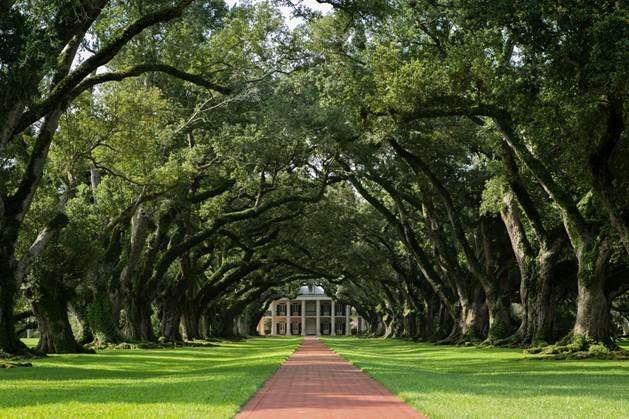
468	382
186	382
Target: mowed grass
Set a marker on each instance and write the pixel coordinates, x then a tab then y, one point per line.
210	382
468	382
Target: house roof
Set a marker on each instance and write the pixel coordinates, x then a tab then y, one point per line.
311	290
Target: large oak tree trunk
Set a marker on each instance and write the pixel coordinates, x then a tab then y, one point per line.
428	325
56	335
101	318
225	326
171	320
500	325
84	334
593	320
591	248
139	326
542	316
496	296
102	315
9	342
191	324
470	320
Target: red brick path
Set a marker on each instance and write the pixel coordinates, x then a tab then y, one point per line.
317	383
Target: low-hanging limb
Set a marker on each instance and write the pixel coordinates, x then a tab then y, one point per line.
500	318
460	279
170	255
536	262
409	239
588	239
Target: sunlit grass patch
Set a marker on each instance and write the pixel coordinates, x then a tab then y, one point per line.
456	382
186	382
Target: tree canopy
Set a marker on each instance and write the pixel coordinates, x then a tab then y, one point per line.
455	170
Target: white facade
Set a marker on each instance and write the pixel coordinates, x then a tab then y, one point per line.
312	313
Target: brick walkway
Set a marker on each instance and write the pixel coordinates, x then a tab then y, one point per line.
317	383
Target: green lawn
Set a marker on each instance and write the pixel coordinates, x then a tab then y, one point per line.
467	382
179	383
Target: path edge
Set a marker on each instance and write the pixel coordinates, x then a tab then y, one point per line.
261	386
374	378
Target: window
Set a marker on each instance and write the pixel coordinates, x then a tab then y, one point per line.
311	308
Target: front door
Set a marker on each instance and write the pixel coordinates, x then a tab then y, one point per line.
311	327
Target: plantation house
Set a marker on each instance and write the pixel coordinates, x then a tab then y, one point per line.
311	313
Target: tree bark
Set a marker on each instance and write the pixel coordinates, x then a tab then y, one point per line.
602	179
12	214
56	335
587	239
469	321
138	320
224	326
84	334
101	318
593	320
536	271
499	315
9	341
497	299
171	320
523	252
466	323
542	316
191	323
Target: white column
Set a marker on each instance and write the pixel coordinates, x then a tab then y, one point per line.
333	331
346	320
258	328
318	333
303	317
288	331
273	325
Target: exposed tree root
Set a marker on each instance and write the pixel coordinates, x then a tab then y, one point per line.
511	342
21	360
14	364
618	355
580	347
150	345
